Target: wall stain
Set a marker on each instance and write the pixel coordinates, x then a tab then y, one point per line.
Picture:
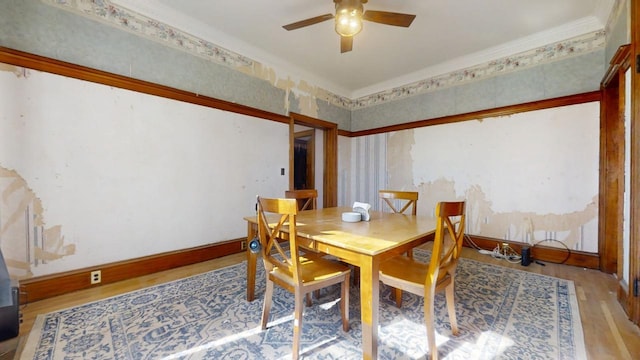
25	240
18	71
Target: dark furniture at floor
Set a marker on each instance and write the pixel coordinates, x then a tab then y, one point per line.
9	301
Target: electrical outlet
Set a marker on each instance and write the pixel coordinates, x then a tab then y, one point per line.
96	277
243	245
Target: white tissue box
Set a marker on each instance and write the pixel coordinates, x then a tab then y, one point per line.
363	209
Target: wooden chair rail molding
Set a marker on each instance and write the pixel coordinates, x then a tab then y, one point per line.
40	63
482	114
43	287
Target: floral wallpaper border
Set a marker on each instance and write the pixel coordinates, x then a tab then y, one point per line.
132	21
575	46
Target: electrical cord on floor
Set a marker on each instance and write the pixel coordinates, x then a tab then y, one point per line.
471	243
505	252
550	240
6	352
500	252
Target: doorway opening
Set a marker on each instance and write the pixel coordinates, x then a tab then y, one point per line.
304	160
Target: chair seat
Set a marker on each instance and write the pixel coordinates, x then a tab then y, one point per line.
312	270
409	273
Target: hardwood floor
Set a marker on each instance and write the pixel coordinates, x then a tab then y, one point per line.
608	334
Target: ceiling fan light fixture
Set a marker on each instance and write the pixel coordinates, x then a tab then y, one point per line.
348	18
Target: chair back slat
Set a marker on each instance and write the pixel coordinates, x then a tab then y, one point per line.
307	198
450	224
270	232
407	199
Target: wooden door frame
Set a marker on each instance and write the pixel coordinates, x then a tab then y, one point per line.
330	155
613	176
612	161
634	246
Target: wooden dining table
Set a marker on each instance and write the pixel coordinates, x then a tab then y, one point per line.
364	244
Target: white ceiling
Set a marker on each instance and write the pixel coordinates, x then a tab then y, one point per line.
446	35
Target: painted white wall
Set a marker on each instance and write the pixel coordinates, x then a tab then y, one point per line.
127	174
535	166
546	160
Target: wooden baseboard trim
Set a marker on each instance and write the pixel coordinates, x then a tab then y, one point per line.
43	287
543	253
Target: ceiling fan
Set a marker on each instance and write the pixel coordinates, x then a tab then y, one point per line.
349	16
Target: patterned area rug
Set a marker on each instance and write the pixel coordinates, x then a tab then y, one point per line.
502	314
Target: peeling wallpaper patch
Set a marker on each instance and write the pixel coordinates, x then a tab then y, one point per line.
126	19
305	95
526	227
25	240
20	72
260	71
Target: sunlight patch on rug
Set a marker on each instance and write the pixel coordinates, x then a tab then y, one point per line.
502	313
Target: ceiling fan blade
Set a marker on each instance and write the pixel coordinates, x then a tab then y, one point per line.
307	22
346	43
389	18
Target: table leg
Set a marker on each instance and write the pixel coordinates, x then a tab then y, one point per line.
252	259
369	305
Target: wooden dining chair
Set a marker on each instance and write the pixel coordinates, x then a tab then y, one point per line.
439	274
307	198
400	202
406	200
292	271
